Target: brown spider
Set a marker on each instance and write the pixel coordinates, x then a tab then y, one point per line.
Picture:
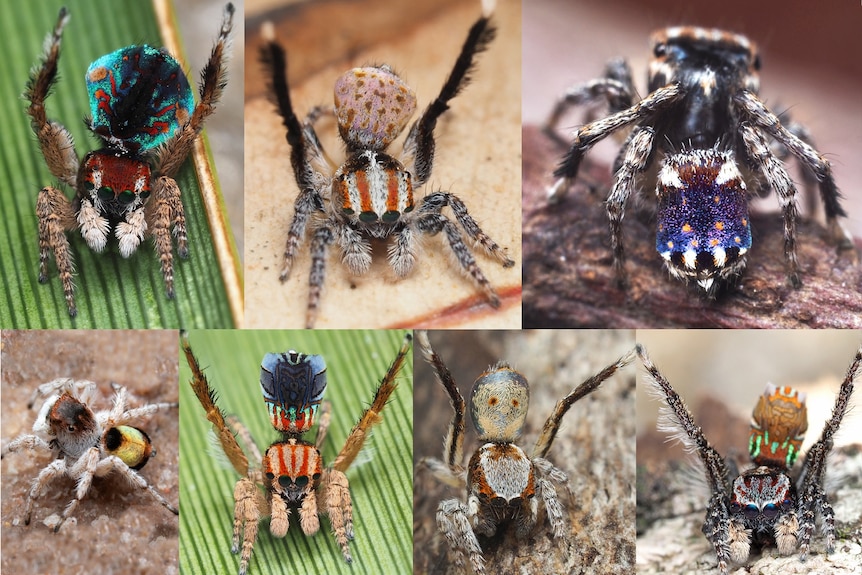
87	444
292	473
503	482
143	113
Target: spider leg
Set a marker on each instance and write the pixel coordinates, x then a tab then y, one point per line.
552	425
614	87
757	150
207	397
56	215
372	416
635	160
432	224
323	237
248	502
115	464
355	248
434	203
323	424
759	115
812	494
588	135
675	418
244	434
213	80
548	473
336	500
56	468
55	141
453	521
420	139
453	445
164	211
402	252
304	147
22	442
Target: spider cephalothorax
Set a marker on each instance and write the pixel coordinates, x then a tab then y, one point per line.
291	475
697	132
144	114
504	484
87	443
769	504
371	195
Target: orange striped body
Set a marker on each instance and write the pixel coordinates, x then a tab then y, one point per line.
371	187
114	183
293	469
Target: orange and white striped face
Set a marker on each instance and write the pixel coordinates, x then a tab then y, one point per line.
372	187
293	469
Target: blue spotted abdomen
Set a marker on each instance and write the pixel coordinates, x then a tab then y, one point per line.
703	223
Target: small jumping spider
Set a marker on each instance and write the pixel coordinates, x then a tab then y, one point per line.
768	504
700	133
87	444
291	473
503	483
370	196
143	112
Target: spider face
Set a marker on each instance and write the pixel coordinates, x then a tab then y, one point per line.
370	196
144	115
769	504
86	443
504	484
698	130
291	477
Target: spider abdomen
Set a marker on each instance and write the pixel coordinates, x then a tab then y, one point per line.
130	444
139	95
293	385
703	227
778	426
501	474
373	186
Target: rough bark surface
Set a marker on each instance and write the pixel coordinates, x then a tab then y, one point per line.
569	278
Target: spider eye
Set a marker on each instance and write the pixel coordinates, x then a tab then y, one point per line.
770	511
270	476
106	193
756	63
126	197
284	481
660	49
316	476
89	186
70	428
302	481
145	194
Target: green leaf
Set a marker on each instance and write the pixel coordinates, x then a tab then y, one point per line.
110	291
381	488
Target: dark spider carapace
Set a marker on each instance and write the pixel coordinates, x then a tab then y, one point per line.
771	503
143	112
705	136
